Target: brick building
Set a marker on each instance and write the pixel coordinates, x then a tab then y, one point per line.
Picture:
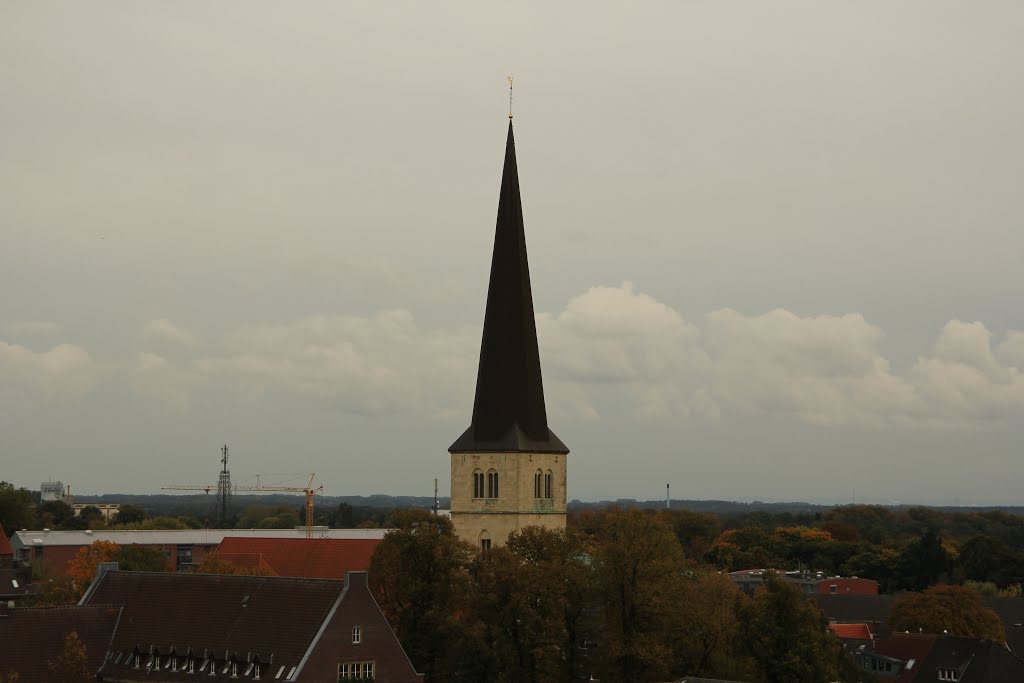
177	627
313	558
184	549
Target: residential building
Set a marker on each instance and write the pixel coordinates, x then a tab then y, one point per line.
924	658
313	558
31	640
108	510
176	627
508	469
183	548
808	582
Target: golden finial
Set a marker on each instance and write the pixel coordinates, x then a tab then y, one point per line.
510	97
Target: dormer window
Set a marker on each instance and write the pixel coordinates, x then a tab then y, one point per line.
190	665
357	635
949	675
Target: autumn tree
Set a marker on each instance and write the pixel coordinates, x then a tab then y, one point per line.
419	574
639	564
72	666
533	597
215	564
82	569
708	634
940	609
788	638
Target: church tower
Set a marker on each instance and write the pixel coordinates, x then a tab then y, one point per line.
508	468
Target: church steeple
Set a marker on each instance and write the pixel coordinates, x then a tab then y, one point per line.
509	413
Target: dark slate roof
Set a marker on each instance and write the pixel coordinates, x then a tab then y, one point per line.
1011	612
32	638
509	413
15	582
221	618
855	609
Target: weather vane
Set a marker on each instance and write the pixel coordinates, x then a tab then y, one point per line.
510	97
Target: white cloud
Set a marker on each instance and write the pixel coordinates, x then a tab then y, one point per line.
962	381
1011	349
28	377
374	365
610	348
156	379
822	369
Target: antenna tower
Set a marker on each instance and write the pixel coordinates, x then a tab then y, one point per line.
223	490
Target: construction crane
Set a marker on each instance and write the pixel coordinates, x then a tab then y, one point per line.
307	489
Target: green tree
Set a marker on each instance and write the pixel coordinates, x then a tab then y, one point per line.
696	531
639	565
420	577
15	508
952	609
533	597
129	514
343	517
922	562
72	666
986	558
54	514
788	638
873	522
139	558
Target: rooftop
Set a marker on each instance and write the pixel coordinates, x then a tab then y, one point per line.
325	558
23	539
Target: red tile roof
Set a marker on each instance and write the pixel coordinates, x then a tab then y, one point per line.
5	545
313	558
856	631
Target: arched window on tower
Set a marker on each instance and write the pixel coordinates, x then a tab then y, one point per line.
547	484
536	484
485	542
492	484
478	484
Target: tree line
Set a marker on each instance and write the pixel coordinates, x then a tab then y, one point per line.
613	597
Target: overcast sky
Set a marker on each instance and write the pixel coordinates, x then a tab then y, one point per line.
775	247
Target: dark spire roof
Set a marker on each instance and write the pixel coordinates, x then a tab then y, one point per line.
508	413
